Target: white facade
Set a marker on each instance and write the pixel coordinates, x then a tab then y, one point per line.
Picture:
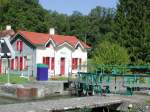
62	54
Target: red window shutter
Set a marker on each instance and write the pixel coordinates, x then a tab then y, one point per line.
21	45
12	64
21	63
74	63
52	63
47	61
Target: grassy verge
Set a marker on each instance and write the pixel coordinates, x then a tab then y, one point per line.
14	79
61	78
147	101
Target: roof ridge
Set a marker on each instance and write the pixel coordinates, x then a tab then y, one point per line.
47	33
32	32
41	38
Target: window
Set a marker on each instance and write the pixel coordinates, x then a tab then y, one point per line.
48	46
21	63
19	45
46	61
74	63
12	64
52	63
25	63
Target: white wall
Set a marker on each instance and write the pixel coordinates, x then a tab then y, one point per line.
64	51
79	52
41	52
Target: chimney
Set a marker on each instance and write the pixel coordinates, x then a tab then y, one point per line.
52	31
8	27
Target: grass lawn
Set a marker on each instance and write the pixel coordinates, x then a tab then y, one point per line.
14	79
147	101
61	78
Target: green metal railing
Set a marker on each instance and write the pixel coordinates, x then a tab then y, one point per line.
106	76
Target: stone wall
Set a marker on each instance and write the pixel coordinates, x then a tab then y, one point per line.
34	90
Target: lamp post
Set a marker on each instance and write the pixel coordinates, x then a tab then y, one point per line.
8	75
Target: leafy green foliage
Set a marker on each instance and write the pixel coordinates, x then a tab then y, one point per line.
110	53
131	28
128	25
29	15
25	14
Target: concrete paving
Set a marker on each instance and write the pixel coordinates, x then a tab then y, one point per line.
62	104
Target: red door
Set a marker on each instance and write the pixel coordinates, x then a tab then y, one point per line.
0	66
21	63
62	66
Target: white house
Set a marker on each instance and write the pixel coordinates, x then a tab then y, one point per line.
61	53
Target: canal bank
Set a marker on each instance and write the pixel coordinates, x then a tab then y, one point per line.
112	103
62	104
35	90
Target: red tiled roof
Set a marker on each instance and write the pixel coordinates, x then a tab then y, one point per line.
41	38
59	39
35	38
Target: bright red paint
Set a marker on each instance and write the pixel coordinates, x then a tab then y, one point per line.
74	63
35	39
62	66
21	63
46	60
52	63
21	46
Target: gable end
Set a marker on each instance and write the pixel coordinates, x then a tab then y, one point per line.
18	36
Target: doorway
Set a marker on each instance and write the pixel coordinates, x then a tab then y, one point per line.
62	66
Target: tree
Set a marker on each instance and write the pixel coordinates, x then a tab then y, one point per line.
30	15
99	24
110	53
131	28
25	14
3	4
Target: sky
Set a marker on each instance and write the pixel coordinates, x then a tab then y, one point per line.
83	6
